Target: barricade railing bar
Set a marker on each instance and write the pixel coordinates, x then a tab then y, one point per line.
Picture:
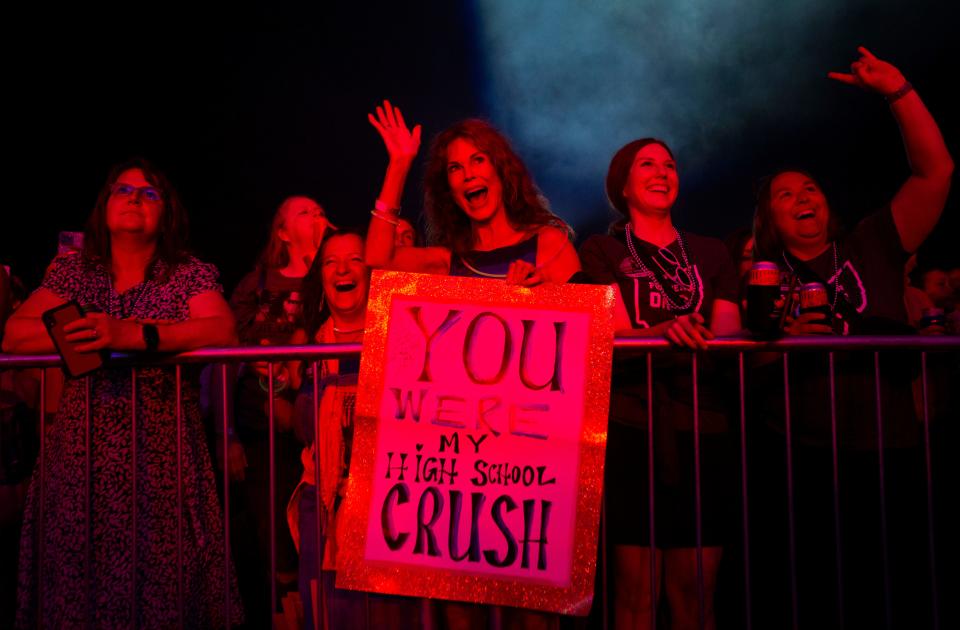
624	345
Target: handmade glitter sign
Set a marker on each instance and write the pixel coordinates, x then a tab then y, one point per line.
478	451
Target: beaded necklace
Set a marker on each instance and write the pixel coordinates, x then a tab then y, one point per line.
646	271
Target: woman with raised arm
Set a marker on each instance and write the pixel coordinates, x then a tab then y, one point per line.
485	216
681	286
141	292
862	273
795	227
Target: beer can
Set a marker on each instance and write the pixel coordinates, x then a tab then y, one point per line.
765	274
763	295
813	298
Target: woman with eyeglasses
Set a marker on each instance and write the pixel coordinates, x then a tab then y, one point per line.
141	291
681	286
267	305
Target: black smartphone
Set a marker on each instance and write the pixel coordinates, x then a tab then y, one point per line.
76	363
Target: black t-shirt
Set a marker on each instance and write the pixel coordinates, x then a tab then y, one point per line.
606	260
707	275
868	275
268	309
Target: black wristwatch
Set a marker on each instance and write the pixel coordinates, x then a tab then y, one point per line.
151	337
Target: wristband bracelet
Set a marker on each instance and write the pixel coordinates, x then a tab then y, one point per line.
382	207
904	89
385	217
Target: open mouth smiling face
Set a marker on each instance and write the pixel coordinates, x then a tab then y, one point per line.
473	179
653	182
799	207
344	273
476	197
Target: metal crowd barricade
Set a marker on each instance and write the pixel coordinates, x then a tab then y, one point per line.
624	347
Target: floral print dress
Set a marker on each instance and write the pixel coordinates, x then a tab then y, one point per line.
117	577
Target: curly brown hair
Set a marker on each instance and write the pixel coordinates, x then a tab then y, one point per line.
447	225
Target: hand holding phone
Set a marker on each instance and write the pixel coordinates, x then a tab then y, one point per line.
70	339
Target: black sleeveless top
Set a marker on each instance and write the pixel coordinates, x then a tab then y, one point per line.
494	262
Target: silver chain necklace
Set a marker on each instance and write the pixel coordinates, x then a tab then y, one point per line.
646	271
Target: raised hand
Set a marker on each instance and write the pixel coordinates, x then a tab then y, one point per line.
402	144
871	73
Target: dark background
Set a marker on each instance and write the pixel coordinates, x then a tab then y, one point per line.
249	106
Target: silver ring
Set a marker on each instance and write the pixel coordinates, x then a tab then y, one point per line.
96	333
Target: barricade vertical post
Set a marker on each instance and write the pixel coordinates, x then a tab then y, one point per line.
133	497
43	493
837	532
928	466
88	504
605	556
227	614
881	477
745	513
366	608
651	511
179	383
272	495
319	611
791	533
698	499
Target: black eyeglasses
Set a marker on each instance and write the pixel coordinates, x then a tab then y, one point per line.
128	190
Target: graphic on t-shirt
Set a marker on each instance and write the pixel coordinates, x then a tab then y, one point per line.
850	286
678	277
279	307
